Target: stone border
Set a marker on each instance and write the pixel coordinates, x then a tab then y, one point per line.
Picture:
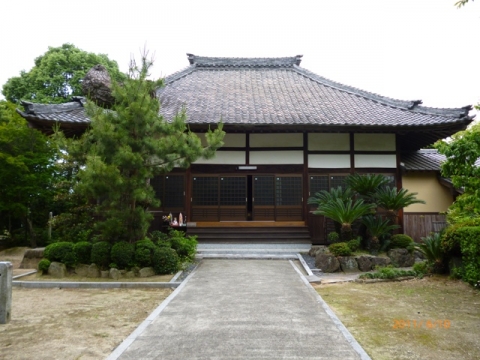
372	281
92	285
348	336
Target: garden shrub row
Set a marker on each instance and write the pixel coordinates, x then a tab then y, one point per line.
165	253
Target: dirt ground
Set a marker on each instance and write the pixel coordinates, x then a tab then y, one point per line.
71	323
431	318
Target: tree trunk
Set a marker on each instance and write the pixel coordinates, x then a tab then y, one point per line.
346	233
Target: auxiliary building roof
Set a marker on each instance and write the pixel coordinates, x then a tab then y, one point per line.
276	94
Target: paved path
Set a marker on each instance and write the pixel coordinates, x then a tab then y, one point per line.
242	309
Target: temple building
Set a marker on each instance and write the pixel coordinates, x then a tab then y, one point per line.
290	133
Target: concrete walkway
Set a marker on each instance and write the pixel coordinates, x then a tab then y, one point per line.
242	309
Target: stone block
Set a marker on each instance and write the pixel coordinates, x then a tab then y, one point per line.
348	263
115	274
146	272
6	274
401	257
93	271
57	270
317	249
327	263
380	261
364	263
81	270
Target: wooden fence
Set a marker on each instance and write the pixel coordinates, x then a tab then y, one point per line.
418	225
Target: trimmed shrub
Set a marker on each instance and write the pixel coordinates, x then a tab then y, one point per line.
43	265
62	252
101	254
388	272
144	252
401	241
159	237
83	251
422	268
185	247
165	261
354	244
470	247
340	249
122	254
333	237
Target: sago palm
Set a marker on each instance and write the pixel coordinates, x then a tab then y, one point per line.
393	200
431	247
376	228
325	196
345	213
366	185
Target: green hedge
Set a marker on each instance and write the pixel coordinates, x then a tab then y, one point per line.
122	254
101	254
144	250
83	251
470	247
62	252
186	247
165	261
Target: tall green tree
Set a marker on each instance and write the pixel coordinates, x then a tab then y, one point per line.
57	75
462	167
27	165
130	144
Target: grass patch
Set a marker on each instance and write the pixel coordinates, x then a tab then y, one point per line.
373	314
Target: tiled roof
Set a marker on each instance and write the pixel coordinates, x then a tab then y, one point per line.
277	94
276	91
425	160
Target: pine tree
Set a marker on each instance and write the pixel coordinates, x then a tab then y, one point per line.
130	144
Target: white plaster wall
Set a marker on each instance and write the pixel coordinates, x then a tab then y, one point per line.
276	157
325	161
225	158
276	140
374	142
230	140
335	142
375	161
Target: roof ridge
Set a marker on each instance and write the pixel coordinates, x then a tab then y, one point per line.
205	61
412	105
403	104
37	108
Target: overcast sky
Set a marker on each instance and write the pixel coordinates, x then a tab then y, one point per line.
405	49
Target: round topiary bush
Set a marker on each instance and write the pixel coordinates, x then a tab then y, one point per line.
83	251
101	254
165	261
340	249
62	252
354	244
122	254
400	241
144	252
43	265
